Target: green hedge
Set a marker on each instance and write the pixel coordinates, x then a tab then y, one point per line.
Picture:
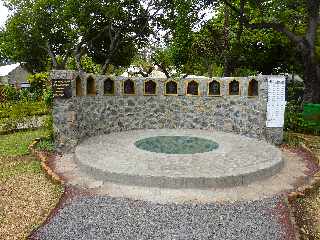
311	114
19	110
13	114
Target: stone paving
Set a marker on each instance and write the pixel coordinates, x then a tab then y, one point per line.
238	160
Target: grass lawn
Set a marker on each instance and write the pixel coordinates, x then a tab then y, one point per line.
26	194
16	144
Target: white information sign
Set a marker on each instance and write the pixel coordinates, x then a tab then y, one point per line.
276	101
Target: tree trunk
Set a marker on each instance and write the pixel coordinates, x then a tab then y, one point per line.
105	66
311	79
227	59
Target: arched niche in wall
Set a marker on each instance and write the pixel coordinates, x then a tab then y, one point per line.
150	87
91	86
129	87
253	88
79	89
214	88
108	87
234	87
193	88
171	88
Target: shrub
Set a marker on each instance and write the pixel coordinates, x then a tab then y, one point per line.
46	145
48	97
48	124
295	118
39	81
13	114
10	93
25	95
18	110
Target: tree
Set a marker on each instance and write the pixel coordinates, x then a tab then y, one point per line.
182	19
208	48
299	22
36	31
107	31
111	30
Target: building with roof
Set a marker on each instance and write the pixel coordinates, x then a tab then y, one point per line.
15	75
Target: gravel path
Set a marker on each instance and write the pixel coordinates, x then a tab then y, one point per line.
116	218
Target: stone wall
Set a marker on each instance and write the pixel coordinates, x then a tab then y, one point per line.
79	117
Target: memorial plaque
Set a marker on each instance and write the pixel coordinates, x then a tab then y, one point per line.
62	88
129	87
214	88
171	88
109	87
276	101
150	88
193	88
234	88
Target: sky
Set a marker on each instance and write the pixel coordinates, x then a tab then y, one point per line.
3	14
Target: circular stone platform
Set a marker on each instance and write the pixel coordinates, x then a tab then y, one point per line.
225	160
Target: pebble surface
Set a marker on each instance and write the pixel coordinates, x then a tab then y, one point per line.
103	217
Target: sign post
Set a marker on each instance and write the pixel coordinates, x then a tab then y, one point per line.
62	88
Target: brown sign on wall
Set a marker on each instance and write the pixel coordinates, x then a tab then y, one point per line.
62	88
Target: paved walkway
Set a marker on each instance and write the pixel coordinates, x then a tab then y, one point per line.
94	218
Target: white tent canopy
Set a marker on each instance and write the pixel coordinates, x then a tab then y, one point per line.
5	70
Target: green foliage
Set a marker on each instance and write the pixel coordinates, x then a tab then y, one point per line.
199	51
13	114
25	95
217	70
48	97
182	34
50	29
87	64
18	110
115	70
311	114
46	145
164	58
17	144
295	92
112	29
294	120
35	94
35	29
295	117
39	82
10	93
244	72
48	124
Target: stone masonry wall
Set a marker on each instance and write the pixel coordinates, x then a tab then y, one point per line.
79	117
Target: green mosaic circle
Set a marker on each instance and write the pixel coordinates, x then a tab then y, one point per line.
176	144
